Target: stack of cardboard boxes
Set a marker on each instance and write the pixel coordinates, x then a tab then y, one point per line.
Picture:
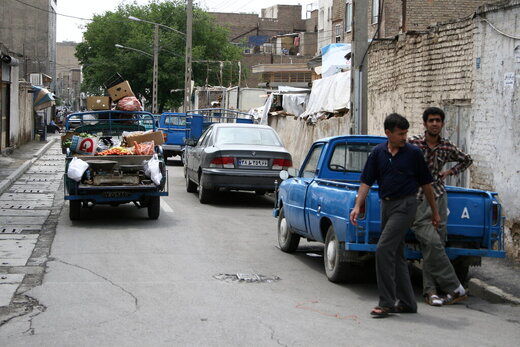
117	92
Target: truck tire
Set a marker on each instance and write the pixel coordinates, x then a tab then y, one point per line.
205	194
154	207
336	270
74	209
191	187
167	154
287	239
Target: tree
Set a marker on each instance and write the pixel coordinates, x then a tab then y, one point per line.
101	59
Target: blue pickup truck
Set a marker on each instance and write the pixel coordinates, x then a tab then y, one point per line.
315	203
173	126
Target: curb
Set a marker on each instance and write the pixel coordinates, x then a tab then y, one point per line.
6	183
491	293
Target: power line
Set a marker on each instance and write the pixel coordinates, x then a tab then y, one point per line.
56	13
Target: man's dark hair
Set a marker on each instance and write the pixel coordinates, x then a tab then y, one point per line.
395	120
433	111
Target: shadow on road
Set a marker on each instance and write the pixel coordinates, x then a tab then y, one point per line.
240	200
120	217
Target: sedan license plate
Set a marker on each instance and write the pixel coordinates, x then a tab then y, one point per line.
253	162
116	194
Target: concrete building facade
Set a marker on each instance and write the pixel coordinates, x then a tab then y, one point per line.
30	34
68	74
262	36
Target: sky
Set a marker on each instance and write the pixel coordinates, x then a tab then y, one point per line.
69	29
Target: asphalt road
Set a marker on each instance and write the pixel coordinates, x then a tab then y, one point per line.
116	278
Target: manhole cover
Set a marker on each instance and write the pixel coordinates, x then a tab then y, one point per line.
248	278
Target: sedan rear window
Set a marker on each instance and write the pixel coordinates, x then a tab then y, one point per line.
247	136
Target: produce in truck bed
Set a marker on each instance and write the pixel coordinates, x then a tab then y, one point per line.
116	151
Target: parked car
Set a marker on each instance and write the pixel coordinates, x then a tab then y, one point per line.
315	204
232	156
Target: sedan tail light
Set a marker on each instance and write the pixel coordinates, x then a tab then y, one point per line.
223	162
282	164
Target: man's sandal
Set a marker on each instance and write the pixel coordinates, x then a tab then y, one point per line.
453	298
381	312
433	300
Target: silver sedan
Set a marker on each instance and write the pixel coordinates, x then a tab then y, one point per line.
235	157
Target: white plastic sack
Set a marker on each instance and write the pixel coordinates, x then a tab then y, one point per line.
152	170
77	168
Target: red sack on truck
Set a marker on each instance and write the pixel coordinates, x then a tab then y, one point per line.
129	103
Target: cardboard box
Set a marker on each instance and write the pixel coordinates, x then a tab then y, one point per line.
120	90
97	103
156	136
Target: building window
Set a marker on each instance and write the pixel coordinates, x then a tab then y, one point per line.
348	16
375	11
337	29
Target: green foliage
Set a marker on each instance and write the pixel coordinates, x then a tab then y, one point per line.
101	59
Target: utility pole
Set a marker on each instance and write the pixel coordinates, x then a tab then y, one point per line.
187	73
155	67
358	94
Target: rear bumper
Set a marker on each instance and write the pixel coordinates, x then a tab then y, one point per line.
240	179
452	252
173	148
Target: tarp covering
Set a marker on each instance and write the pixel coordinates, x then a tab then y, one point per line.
333	58
294	103
328	95
42	98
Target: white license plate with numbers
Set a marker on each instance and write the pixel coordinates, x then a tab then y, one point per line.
253	162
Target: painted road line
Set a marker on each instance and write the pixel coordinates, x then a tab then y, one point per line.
165	206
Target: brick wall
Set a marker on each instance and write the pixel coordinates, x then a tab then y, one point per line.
460	66
420	13
495	125
408	74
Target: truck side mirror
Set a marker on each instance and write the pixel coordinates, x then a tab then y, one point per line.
292	172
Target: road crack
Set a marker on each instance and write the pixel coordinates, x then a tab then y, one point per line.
136	301
273	337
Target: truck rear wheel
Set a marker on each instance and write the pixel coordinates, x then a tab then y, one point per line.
287	239
74	209
154	207
336	270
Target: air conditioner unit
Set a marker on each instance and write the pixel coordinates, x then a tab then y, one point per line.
36	79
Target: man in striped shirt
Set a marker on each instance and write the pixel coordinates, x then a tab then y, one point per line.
438	272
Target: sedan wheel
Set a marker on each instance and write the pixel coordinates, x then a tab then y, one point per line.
287	239
205	194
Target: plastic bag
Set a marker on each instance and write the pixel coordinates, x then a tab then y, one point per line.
153	170
83	145
77	168
129	103
144	148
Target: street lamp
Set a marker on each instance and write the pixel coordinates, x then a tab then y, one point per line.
133	49
156	57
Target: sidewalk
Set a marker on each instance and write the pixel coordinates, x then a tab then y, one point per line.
497	280
15	164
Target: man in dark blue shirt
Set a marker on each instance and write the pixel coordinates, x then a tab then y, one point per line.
399	169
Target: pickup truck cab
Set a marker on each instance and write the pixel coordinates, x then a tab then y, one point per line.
173	126
316	203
